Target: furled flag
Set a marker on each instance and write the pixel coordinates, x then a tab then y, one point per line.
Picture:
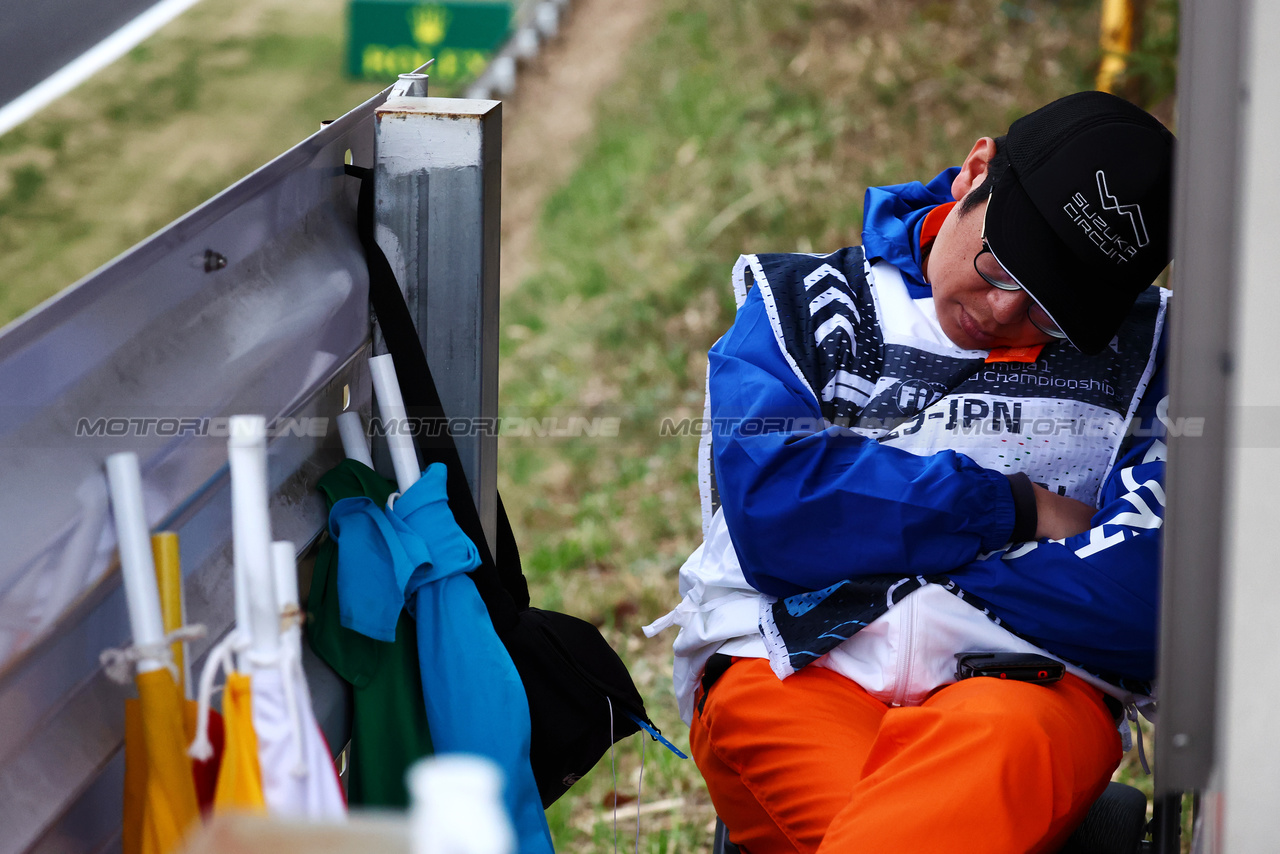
155	740
389	729
298	777
413	554
276	759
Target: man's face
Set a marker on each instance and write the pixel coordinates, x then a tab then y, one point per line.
973	314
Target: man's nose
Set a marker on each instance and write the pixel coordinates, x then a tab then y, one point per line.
1008	307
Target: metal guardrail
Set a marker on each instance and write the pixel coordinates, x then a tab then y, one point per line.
536	22
255	302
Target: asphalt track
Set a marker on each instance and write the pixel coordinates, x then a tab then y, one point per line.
38	37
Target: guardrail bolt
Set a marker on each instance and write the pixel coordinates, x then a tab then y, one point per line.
410	86
214	261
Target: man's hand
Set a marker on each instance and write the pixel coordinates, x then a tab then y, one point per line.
1059	516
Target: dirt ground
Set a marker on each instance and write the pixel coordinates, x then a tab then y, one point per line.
552	111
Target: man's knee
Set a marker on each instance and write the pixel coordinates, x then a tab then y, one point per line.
780	758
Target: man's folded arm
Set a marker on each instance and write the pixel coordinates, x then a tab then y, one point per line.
1091	598
807	507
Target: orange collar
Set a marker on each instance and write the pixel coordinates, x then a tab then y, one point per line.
932	225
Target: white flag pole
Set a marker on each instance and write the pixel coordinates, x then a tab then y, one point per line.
284	568
251	533
136	564
354	443
404	457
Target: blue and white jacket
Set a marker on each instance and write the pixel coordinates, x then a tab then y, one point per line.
857	510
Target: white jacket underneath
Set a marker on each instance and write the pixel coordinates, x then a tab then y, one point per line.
900	658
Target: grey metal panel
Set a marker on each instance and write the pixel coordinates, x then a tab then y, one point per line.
1204	283
439	190
54	781
1248	745
260	336
93	823
60	735
280	330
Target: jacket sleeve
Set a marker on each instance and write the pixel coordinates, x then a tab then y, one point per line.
1093	598
807	506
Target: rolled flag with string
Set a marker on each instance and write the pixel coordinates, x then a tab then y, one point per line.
165	551
165	786
298	776
239	784
256	637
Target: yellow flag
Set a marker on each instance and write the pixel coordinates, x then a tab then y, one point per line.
1119	27
240	777
160	798
135	779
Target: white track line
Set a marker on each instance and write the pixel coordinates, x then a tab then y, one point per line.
90	62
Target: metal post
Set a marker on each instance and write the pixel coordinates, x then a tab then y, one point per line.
1248	745
1221	590
438	185
1200	358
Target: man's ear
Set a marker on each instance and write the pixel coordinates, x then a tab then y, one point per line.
974	168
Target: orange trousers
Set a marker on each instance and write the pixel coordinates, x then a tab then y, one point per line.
814	763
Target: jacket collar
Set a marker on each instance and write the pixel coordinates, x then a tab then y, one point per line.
891	221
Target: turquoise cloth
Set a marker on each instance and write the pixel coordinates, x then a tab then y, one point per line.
416	556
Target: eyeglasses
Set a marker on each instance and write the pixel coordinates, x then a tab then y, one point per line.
995	275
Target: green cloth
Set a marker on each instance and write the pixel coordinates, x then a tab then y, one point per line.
389	721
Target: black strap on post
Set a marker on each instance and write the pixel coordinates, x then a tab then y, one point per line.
501	582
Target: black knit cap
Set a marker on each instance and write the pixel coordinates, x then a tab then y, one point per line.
1081	216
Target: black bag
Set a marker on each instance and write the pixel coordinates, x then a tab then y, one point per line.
581	697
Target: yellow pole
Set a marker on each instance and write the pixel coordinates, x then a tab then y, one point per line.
1118	33
164	548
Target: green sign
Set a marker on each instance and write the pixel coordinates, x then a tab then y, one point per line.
390	37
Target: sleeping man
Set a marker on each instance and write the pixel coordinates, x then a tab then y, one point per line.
944	441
